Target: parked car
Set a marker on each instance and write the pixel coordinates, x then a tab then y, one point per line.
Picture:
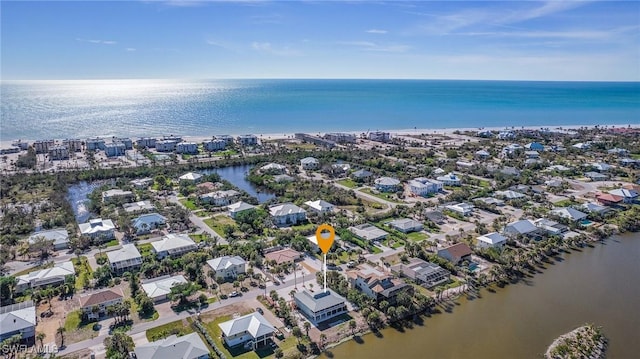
234	294
259	310
351	264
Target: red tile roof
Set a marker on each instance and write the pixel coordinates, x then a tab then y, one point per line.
607	197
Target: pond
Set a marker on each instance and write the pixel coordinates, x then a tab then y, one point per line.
237	175
78	196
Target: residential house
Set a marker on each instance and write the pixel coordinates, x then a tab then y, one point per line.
361	175
510	171
252	328
369	232
220	198
379	136
283	178
173	245
524	228
482	155
191	177
187	147
247	140
456	253
214	145
273	168
313	241
138	206
506	135
116	194
98	229
59	237
387	184
601	166
142	183
618	151
310	163
534	146
550	227
148	222
424	273
320	206
282	256
595	176
465	165
629	162
320	306
228	267
286	214
450	180
338	168
239	207
423	186
559	168
594	208
226	138
405	225
18	319
125	259
511	150
581	146
628	195
436	217
464	209
53	276
94	305
188	346
485	134
158	289
115	149
491	240
553	183
376	284
509	195
609	199
94	144
532	154
569	213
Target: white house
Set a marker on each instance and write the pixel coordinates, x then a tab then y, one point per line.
220	198
423	186
59	237
310	163
18	319
387	184
173	245
380	136
138	206
147	222
369	232
252	328
116	194
228	267
247	140
464	209
190	177
569	213
509	194
482	154
141	183
320	206
214	145
287	214
125	259
450	180
320	306
53	276
188	346
94	305
492	240
405	225
273	168
98	229
158	289
187	147
238	207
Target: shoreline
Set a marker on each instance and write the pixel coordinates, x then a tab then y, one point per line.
5	143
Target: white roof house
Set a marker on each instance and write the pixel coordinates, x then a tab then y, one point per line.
309	163
320	206
16	319
173	245
219	198
59	236
569	213
189	346
238	207
250	327
287	213
126	258
97	227
48	276
191	177
406	225
369	232
509	194
450	179
138	206
273	167
227	266
493	239
464	209
115	193
147	222
159	288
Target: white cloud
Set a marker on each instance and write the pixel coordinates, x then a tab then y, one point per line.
266	47
130	49
376	47
94	41
377	31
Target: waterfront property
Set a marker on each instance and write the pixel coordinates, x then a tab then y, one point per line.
43	146
424	273
18	319
58	153
369	232
187	148
219	198
376	284
340	137
251	328
188	346
522	228
569	213
320	206
166	145
273	168
387	184
379	136
94	305
98	229
115	149
173	245
158	289
214	145
247	140
450	180
53	276
424	186
287	214
320	306
116	194
226	138
313	241
125	259
146	142
228	267
456	253
190	177
463	209
405	225
550	227
239	207
491	240
138	206
58	236
310	163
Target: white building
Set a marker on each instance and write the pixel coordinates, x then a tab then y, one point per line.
166	145
148	222
247	140
369	232
214	145
310	163
228	267
116	194
320	206
286	214
98	229
187	147
173	245
423	186
94	305
406	225
125	259
320	306
464	209
220	198
450	180
141	183
273	168
252	328
138	206
158	289
190	177
59	237
492	240
53	276
239	207
380	136
188	346
18	319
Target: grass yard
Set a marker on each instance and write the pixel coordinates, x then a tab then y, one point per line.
225	153
566	203
304	227
111	243
179	327
198	237
189	204
348	183
83	271
217	223
417	236
391	197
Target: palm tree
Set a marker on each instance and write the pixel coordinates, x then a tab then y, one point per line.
297	333
323	338
61	331
352	326
307	325
40	337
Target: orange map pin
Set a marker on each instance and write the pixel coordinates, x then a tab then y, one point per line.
325	242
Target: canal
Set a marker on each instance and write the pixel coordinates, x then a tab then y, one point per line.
237	175
599	285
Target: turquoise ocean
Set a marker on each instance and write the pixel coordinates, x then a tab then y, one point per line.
83	108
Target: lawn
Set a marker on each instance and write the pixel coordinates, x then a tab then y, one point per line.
179	327
397	243
566	203
189	204
83	271
226	153
348	183
76	329
113	242
198	237
304	227
417	236
391	197
145	249
217	223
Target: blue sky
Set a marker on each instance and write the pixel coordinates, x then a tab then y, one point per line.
514	40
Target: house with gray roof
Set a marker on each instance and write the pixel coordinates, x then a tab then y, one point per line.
425	273
19	318
594	208
310	163
116	194
239	207
53	276
387	184
286	214
369	232
406	225
569	213
59	237
138	206
125	259
320	306
158	289
252	328
361	175
628	195
596	176
188	346
148	222
228	267
550	226
220	198
173	245
522	228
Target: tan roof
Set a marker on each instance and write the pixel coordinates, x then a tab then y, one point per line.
283	255
459	250
609	197
96	298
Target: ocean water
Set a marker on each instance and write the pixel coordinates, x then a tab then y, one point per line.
83	108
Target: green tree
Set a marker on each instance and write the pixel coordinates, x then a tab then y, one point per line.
118	346
278	353
297	333
60	331
352	326
181	291
7	289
